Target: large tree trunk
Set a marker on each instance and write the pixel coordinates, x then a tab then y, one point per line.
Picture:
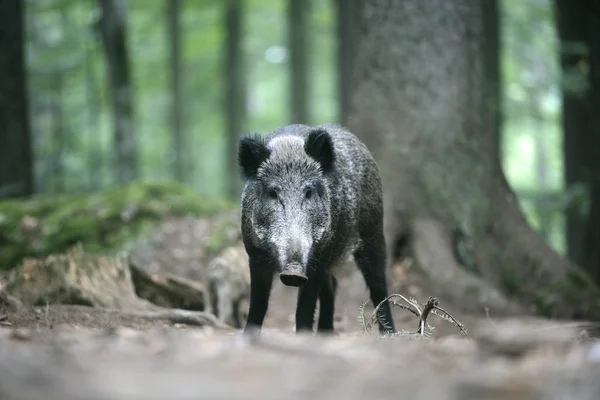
16	154
235	89
298	36
592	244
113	28
419	104
492	65
580	63
174	44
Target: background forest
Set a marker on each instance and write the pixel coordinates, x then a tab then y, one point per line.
156	90
181	56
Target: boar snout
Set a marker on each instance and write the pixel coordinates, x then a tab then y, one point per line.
293	275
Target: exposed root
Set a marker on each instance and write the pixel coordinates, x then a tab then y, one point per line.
176	316
9	302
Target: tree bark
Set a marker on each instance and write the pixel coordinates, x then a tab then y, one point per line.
348	18
16	152
235	89
93	105
174	44
592	244
493	45
298	36
113	28
580	62
58	135
420	106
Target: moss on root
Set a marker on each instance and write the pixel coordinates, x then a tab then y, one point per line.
102	222
575	297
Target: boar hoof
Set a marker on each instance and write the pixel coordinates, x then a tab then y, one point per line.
293	275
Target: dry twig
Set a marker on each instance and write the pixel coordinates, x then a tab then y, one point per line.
430	307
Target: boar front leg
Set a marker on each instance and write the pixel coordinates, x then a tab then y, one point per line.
307	302
261	280
327	304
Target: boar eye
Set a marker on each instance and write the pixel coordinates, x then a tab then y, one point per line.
308	192
273	193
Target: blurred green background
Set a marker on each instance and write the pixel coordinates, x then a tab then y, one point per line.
70	100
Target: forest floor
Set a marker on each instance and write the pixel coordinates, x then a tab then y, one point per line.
66	351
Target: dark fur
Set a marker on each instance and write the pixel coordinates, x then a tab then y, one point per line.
310	203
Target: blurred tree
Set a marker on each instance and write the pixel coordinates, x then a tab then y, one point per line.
298	13
592	243
113	28
578	26
174	45
492	49
58	134
420	104
16	154
348	17
235	89
94	110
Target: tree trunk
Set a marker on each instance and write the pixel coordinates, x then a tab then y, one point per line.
113	28
298	35
174	44
348	18
492	67
580	62
420	106
235	97
592	243
16	153
95	156
58	135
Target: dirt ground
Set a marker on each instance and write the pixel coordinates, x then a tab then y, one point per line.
76	352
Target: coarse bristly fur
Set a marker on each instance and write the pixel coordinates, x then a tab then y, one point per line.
311	196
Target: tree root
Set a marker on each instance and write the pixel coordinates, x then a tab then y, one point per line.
176	316
9	302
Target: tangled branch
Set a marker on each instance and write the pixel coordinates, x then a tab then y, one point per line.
431	307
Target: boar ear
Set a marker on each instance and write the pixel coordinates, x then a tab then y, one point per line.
252	151
320	147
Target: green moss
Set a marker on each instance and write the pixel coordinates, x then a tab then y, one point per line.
510	281
102	222
218	238
577	297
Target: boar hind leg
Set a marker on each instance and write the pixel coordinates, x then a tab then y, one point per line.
326	304
261	280
370	258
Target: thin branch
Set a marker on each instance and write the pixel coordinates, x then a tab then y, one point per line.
407	308
430	305
452	319
361	317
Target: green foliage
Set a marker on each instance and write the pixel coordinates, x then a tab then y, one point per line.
104	221
531	140
63	42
